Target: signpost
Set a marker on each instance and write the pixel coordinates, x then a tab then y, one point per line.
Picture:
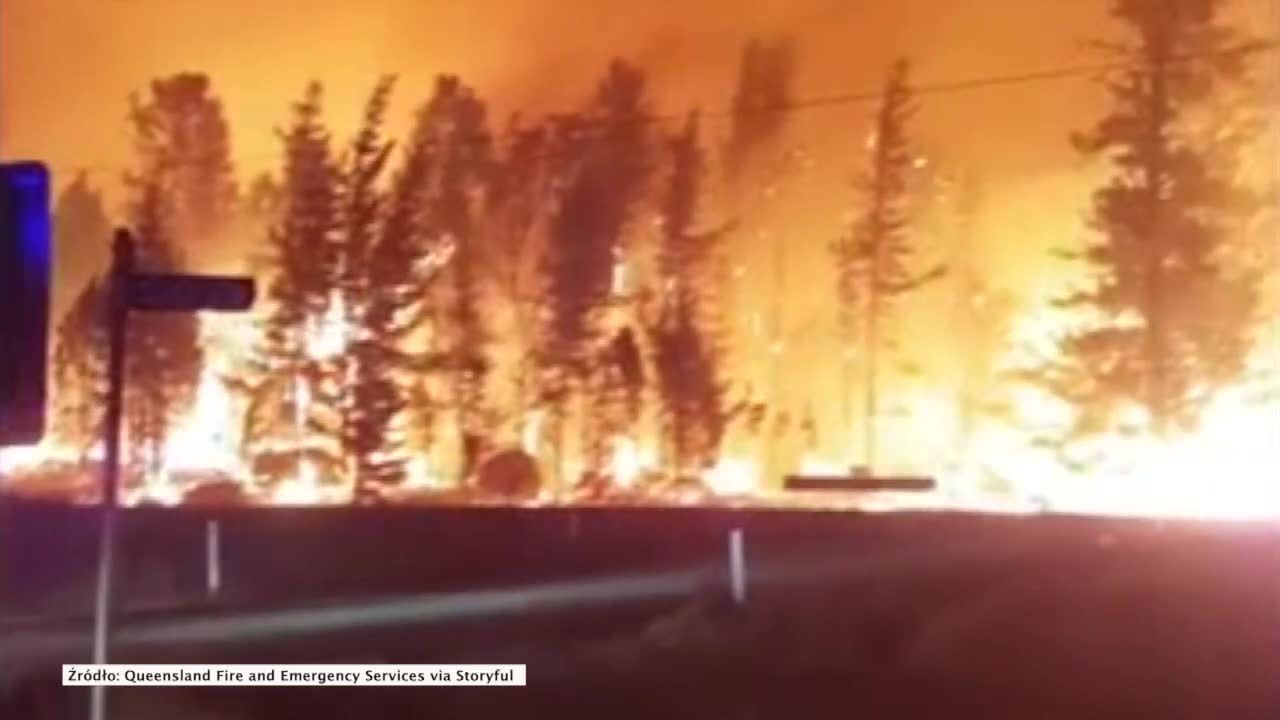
132	291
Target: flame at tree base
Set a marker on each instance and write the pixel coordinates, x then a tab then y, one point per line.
1224	470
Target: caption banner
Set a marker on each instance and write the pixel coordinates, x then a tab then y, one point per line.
292	675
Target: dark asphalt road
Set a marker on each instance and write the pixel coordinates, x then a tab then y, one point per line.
919	616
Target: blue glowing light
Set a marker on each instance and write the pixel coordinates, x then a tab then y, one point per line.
28	186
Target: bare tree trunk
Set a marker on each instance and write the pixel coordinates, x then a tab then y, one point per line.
871	400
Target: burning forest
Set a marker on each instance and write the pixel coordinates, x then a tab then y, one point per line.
629	302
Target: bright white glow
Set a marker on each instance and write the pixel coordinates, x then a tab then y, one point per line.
327	336
813	465
302	490
619	279
628	462
421	474
203	441
733	476
531	433
20	458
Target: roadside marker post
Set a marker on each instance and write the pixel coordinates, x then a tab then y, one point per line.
737	567
213	557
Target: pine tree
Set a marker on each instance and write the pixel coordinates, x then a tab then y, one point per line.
300	274
1169	318
80	370
681	329
459	127
406	263
759	103
79	360
82	236
517	206
874	262
164	359
363	401
182	137
601	166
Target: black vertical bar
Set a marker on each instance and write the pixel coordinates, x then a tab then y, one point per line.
122	268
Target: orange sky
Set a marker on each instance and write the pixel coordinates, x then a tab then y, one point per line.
67	67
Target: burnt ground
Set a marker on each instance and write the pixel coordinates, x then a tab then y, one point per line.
911	616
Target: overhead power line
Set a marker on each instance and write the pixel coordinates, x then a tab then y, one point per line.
851	98
994	81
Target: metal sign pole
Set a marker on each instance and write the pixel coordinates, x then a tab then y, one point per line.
118	317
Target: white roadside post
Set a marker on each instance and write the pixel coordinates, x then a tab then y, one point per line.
213	557
737	567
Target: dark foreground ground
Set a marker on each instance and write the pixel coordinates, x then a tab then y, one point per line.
913	616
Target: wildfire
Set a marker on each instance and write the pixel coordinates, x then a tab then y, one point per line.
203	441
304	489
1222	470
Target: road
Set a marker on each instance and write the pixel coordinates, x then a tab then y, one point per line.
913	616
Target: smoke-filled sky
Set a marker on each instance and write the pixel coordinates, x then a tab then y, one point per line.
67	68
68	65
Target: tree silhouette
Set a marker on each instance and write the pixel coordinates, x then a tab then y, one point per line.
80	369
518	205
759	103
299	275
681	329
874	261
165	356
601	166
82	233
364	397
458	127
1169	316
182	138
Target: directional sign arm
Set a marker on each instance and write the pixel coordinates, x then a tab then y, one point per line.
178	293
